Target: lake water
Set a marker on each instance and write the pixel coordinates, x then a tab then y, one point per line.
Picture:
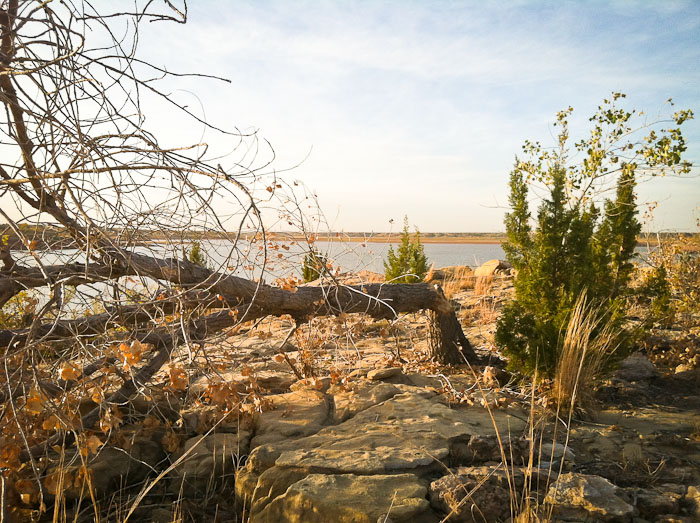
245	259
370	256
344	256
284	259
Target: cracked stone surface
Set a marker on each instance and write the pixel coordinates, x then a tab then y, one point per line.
406	434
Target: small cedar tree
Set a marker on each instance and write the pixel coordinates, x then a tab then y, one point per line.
197	255
313	265
408	264
575	248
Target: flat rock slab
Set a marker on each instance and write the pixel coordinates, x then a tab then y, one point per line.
407	433
383	374
347	498
295	414
349	403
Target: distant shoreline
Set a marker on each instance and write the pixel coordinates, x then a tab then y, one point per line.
445	238
396	238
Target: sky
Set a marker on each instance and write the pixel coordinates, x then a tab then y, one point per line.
418	108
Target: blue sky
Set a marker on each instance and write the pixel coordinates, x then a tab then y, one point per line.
418	108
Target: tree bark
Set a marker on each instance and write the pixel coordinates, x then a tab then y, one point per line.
378	300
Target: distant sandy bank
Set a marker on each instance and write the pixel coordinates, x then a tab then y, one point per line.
396	238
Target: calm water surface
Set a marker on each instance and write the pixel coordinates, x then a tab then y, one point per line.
245	259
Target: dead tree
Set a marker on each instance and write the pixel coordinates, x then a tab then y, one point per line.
95	209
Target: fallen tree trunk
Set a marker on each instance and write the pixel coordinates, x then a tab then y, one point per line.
378	300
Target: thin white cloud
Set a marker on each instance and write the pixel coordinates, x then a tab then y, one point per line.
438	94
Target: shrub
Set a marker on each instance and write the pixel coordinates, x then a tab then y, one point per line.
575	248
18	311
409	263
197	255
656	291
676	291
314	265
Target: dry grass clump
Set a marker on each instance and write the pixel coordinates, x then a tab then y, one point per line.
483	285
588	343
459	279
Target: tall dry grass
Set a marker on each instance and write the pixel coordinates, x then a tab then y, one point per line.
483	285
461	279
587	345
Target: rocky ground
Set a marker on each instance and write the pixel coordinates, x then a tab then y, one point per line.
347	421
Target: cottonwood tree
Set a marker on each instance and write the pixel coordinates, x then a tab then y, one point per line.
98	214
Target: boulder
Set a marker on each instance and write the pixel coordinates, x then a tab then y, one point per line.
492	267
348	498
583	497
404	433
488	490
636	367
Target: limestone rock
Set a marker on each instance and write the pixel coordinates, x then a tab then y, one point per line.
295	414
365	395
406	433
490	487
636	367
383	374
492	267
582	497
265	487
209	461
403	433
348	498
